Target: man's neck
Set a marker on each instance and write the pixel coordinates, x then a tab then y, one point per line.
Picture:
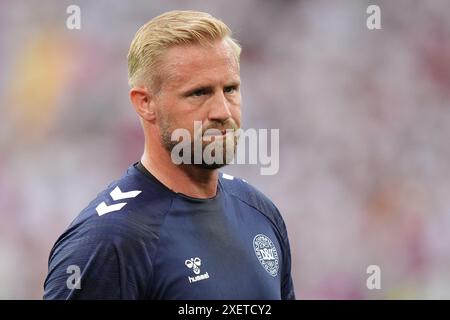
189	180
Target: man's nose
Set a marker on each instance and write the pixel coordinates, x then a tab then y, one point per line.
220	108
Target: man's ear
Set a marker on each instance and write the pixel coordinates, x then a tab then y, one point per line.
143	102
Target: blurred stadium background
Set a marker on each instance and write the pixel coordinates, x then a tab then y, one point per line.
364	119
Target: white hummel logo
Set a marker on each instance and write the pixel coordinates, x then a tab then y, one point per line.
194	264
116	194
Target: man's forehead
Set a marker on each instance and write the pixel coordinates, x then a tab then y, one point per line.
182	63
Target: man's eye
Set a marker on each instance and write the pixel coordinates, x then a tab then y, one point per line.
230	89
198	93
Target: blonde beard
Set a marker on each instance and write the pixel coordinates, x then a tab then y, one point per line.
227	144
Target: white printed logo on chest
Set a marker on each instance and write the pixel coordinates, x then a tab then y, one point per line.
266	253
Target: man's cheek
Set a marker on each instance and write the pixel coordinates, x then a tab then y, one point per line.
237	118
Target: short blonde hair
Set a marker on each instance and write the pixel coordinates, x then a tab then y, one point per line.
170	29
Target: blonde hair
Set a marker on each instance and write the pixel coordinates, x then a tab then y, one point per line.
170	29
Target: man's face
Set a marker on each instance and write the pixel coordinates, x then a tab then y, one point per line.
200	83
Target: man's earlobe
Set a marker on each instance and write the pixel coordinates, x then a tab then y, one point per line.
143	103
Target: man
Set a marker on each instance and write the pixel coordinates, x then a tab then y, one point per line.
169	230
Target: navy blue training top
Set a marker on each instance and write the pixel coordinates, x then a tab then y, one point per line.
140	240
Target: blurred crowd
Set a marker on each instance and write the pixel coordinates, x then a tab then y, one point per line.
364	116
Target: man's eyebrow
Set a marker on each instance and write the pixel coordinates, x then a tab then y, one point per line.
199	86
208	88
234	82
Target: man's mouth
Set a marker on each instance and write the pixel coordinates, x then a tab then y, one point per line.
217	132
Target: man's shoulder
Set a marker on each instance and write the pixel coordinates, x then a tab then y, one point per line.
129	207
252	197
247	193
